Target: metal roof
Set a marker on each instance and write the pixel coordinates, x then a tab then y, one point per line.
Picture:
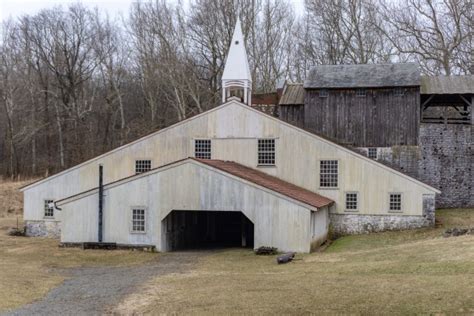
447	85
363	76
293	94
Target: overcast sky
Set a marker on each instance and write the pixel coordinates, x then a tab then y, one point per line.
16	8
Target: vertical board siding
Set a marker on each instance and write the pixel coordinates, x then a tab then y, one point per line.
379	119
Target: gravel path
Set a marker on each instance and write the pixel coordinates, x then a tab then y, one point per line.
91	291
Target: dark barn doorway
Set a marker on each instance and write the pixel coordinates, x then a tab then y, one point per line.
207	229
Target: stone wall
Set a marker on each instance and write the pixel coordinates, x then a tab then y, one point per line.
349	224
45	228
447	163
444	159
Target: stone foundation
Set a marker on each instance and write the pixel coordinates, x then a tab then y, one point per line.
51	229
349	224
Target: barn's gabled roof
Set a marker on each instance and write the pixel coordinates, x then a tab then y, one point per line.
363	76
447	84
293	94
269	182
234	169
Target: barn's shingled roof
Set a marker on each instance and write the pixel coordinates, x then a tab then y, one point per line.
270	182
293	94
447	85
363	76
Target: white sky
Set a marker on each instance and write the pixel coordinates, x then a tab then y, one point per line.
17	8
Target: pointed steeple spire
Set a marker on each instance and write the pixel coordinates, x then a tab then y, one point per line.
237	74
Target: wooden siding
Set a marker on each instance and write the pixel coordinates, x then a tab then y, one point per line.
234	130
293	114
191	186
379	119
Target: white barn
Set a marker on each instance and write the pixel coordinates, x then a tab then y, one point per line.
258	181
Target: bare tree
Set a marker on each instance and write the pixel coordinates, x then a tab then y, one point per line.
436	33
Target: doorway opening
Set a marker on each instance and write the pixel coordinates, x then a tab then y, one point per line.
207	229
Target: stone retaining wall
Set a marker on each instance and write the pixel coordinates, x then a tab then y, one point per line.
349	224
46	228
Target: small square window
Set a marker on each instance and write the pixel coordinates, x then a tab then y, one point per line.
323	93
328	173
48	209
372	153
266	152
142	166
361	93
138	220
399	92
351	201
202	148
395	202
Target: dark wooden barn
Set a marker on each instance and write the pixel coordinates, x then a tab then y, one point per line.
364	105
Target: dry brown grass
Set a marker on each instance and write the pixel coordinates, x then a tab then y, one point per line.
408	272
11	199
29	267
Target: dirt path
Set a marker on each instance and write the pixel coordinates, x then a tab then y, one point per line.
94	291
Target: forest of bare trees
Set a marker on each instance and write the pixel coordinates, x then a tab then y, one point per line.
75	82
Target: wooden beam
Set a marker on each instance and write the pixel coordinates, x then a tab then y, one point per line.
426	102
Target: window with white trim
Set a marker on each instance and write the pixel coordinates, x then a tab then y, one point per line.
323	93
138	220
142	166
202	148
328	173
352	201
361	93
48	209
372	153
266	152
395	202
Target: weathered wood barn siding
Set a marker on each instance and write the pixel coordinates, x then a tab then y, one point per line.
189	186
379	119
293	114
234	130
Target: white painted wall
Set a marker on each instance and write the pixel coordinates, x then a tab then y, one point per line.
234	129
278	221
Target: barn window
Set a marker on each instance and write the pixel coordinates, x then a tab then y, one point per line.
360	93
328	173
395	202
323	93
138	220
202	148
399	92
372	153
266	152
142	166
351	201
48	209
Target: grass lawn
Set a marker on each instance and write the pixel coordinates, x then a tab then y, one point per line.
410	272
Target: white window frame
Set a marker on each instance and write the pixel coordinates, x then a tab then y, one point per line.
142	160
266	152
46	207
390	204
145	219
337	174
196	152
376	153
356	201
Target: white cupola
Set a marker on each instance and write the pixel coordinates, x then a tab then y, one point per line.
236	79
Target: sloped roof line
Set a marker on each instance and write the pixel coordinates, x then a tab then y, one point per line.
256	177
128	144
